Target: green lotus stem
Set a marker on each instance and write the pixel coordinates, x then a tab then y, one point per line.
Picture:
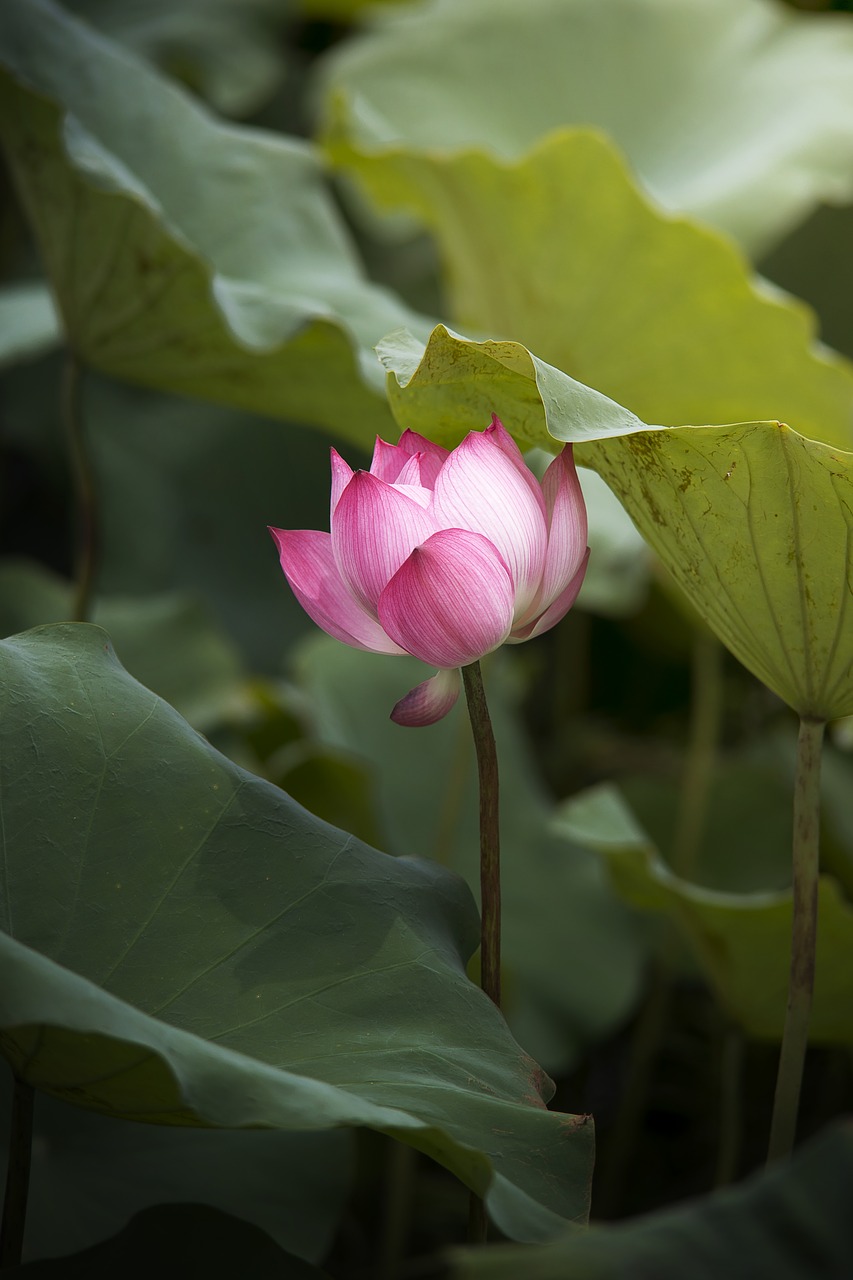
490	848
400	1170
704	731
806	847
17	1175
84	486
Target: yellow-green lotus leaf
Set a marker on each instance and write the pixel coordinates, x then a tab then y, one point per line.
755	524
560	251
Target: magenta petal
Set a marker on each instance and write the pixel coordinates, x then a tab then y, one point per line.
429	701
432	456
452	600
410	474
556	611
481	488
309	566
374	530
388	460
567	527
341	476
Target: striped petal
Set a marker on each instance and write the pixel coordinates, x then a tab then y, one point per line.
388	461
498	434
342	473
429	701
451	601
567	527
309	566
374	529
480	488
433	456
557	610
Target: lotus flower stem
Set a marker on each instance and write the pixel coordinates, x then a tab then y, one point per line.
806	847
490	855
84	485
17	1175
706	706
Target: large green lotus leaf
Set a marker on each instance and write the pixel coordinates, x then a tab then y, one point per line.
186	1239
714	102
452	385
226	50
185	254
755	524
572	960
92	1173
560	251
186	945
791	1222
752	520
742	940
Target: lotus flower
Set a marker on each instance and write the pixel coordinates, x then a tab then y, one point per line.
442	555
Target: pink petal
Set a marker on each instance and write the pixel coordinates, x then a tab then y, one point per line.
411	472
481	488
451	601
433	456
557	610
429	701
309	566
374	530
341	476
388	460
567	527
498	434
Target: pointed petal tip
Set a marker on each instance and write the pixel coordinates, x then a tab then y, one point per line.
429	702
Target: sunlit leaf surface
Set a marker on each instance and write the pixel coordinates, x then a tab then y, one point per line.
209	953
755	524
559	250
738	112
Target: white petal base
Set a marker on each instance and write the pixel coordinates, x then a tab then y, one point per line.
430	701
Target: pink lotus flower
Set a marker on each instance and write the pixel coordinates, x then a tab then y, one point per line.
442	555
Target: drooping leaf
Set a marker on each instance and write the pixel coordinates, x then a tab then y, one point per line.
572	961
741	940
713	102
186	254
208	953
451	385
755	524
791	1222
185	1239
92	1173
753	521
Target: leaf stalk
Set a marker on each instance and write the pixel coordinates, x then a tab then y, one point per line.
806	850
